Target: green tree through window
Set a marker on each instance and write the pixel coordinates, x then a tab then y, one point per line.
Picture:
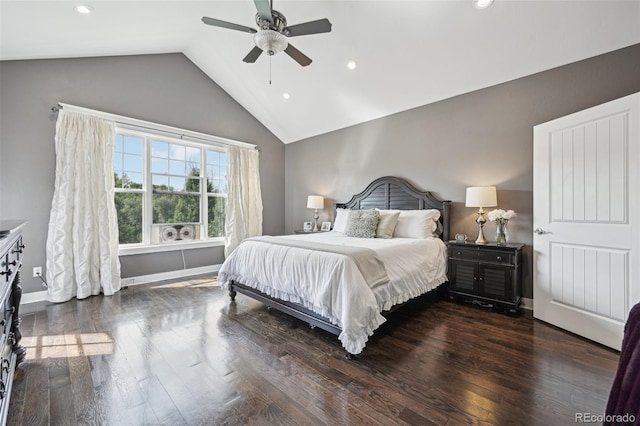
129	209
178	191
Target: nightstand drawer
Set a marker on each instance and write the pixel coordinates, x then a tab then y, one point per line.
473	254
462	252
494	257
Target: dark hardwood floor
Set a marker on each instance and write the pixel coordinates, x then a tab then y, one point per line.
178	352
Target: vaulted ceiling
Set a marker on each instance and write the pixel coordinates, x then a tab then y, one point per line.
408	53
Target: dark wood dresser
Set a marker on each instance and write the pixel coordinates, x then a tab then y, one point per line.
11	352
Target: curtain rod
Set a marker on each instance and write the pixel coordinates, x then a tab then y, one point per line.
149	125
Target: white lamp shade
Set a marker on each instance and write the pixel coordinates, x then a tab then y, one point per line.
481	196
315	202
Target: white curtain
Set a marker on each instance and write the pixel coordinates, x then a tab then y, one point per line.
244	198
82	242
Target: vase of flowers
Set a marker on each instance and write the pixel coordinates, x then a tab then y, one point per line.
501	218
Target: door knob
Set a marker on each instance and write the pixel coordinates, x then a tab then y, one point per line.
540	231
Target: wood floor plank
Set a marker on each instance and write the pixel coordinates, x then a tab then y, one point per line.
37	405
284	401
125	380
60	394
160	402
179	352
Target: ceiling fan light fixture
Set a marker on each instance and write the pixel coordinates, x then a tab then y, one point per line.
271	42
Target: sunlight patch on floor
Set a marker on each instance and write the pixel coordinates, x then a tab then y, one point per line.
187	284
67	345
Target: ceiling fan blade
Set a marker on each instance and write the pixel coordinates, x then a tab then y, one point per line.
264	9
253	55
228	25
313	27
297	55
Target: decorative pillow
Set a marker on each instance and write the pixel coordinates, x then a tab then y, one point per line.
387	223
341	219
417	223
362	223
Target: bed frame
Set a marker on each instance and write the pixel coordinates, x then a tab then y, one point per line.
387	193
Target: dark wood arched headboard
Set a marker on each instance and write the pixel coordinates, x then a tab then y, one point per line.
394	193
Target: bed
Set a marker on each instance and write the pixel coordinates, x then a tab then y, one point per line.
342	284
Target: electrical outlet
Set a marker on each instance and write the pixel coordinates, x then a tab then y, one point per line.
37	271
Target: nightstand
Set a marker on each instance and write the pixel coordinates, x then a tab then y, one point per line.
486	274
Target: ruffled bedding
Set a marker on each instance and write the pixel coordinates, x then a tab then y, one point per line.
331	285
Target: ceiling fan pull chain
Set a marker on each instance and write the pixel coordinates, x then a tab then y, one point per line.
270	69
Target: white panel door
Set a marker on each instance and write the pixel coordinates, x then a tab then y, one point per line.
586	216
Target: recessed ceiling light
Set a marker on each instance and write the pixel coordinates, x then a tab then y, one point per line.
482	4
83	9
286	96
351	64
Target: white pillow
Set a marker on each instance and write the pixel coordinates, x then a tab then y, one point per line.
417	223
341	220
387	223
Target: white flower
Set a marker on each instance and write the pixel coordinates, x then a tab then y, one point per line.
500	215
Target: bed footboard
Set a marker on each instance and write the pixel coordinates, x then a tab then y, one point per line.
295	310
304	314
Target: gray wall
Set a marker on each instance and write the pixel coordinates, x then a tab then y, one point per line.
166	89
480	138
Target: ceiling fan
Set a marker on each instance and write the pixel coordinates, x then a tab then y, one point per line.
272	33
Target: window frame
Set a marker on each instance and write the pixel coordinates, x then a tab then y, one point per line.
146	246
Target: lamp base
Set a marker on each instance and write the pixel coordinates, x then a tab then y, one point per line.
315	219
480	239
481	221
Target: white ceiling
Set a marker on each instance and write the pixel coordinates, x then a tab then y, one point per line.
409	53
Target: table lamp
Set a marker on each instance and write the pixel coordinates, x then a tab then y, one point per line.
481	196
315	202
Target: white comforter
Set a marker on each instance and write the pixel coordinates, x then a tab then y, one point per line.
331	284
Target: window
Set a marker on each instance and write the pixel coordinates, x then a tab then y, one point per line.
216	192
168	190
128	167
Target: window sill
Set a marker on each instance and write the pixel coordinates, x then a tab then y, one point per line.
132	249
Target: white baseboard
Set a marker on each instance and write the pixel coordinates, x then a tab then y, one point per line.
36	296
41	296
181	273
527	303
